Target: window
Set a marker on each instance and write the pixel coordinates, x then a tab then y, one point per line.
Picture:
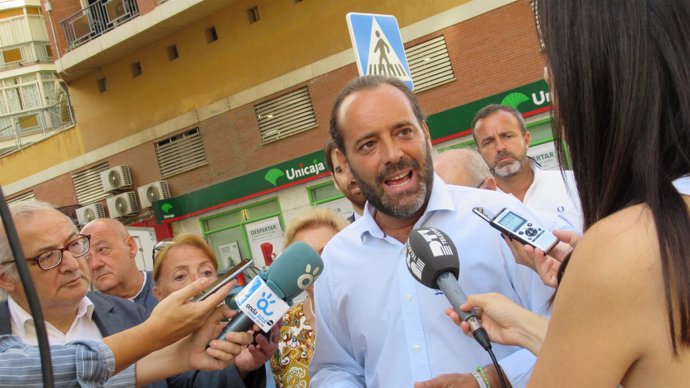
211	34
172	52
87	184
136	69
28	196
180	153
102	85
253	15
285	115
327	195
429	64
227	232
12	55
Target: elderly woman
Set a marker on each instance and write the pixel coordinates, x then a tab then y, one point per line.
182	261
290	364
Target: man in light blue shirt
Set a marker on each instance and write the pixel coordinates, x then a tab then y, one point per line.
377	326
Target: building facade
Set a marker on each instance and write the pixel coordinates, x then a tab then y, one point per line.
209	116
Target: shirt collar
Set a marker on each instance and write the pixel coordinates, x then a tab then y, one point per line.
440	200
21	319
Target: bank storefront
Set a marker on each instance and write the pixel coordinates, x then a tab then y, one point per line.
245	217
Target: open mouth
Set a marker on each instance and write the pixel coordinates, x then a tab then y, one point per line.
399	180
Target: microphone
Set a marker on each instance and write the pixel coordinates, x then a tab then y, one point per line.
433	260
290	274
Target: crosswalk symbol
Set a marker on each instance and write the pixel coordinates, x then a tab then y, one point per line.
378	46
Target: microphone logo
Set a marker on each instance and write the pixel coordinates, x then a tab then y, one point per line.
437	242
307	278
263	303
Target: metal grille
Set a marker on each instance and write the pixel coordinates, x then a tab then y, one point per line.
87	184
180	153
285	116
429	64
28	196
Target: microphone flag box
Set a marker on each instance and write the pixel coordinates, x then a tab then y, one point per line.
258	302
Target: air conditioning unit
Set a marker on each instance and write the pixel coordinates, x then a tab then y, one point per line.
116	178
153	192
89	213
122	204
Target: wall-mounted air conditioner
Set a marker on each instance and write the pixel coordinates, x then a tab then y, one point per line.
122	204
153	192
116	178
89	213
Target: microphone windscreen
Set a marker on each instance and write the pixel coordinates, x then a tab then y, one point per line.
430	252
294	270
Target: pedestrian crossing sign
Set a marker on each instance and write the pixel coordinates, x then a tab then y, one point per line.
378	46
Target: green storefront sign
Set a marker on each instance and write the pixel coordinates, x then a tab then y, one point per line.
271	179
442	126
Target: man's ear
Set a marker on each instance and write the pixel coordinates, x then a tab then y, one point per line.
342	160
8	283
528	137
132	246
425	128
489	184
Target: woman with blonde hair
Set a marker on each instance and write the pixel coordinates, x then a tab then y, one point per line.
290	364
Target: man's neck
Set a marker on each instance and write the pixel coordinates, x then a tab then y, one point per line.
130	289
396	227
60	317
517	184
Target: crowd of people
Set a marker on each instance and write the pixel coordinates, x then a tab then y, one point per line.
607	306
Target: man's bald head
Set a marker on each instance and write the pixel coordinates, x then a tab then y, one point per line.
464	167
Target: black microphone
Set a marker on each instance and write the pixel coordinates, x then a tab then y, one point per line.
433	260
291	273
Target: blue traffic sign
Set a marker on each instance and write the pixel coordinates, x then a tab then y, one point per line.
378	46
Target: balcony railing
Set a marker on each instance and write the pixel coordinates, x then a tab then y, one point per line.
20	130
97	19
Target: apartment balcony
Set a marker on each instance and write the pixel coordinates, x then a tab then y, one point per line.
105	32
24	128
96	20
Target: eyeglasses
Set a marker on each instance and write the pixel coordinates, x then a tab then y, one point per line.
159	247
53	257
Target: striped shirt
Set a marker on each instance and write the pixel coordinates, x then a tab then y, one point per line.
85	363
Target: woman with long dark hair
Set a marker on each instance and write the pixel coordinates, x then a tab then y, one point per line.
620	77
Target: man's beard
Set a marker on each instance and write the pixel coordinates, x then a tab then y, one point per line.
389	206
508	169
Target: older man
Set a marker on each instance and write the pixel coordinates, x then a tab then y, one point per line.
502	139
386	329
464	167
57	256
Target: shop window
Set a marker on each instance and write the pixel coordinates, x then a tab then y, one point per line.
253	231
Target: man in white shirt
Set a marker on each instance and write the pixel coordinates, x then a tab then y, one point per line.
502	139
377	326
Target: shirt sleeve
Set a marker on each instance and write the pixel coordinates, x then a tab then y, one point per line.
86	363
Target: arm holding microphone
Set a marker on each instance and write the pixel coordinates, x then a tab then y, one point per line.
505	322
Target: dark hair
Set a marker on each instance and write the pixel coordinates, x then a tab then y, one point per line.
493	108
620	79
327	151
363	83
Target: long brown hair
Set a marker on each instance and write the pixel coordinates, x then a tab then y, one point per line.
620	77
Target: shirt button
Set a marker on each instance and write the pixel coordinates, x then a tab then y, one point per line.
408	298
417	348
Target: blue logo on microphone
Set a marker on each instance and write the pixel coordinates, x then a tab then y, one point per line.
263	303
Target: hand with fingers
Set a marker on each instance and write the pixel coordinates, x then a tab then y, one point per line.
255	355
546	265
504	321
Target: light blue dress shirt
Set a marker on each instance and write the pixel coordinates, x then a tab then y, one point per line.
378	327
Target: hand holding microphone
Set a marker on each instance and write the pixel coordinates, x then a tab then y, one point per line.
291	273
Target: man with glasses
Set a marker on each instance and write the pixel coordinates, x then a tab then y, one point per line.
464	167
57	257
